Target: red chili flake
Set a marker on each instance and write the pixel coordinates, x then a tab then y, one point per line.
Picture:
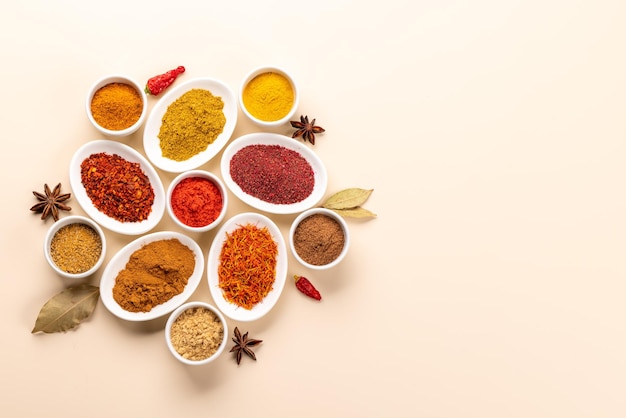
117	187
305	286
272	173
197	201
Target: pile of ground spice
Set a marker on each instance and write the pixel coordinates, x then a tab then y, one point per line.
190	124
75	248
154	274
272	173
197	333
318	239
116	106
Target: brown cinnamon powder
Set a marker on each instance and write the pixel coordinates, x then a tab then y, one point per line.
318	239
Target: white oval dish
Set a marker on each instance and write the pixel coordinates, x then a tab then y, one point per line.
118	263
263	138
229	309
151	143
129	154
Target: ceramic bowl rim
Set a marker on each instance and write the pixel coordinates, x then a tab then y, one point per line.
117	78
331	214
203	174
118	262
68	220
229	309
130	154
268	69
269	138
151	142
176	313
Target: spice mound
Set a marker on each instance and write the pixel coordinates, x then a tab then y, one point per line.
318	239
196	201
272	173
190	124
154	274
75	248
247	268
268	96
197	333
118	188
116	106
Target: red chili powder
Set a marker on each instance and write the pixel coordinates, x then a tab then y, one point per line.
117	187
196	201
272	173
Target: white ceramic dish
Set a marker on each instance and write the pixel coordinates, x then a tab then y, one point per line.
69	220
319	172
129	154
230	309
327	212
151	143
117	78
119	261
202	174
176	314
296	96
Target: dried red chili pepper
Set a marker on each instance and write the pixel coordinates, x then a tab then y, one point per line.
305	286
160	82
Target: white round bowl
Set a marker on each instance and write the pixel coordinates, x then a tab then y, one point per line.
129	154
117	78
232	310
68	220
296	96
118	263
151	142
331	214
264	138
202	174
172	319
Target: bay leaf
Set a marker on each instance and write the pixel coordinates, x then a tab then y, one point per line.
67	309
357	212
348	198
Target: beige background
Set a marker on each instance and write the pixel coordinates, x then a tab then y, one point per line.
492	282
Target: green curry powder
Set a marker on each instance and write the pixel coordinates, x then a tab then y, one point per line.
190	124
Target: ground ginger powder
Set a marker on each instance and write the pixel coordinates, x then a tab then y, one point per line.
197	333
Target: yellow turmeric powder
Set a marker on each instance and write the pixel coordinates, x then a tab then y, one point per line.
268	96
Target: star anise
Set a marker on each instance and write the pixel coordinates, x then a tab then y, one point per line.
50	202
243	344
306	129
